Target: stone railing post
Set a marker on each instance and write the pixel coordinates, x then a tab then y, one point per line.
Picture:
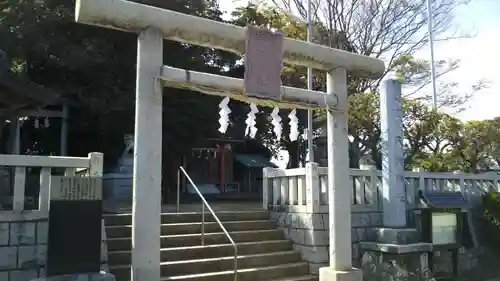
421	178
266	186
96	164
495	186
312	187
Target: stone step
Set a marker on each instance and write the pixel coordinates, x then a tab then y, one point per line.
206	252
250	274
166	218
298	278
117	231
263	252
189	267
182	240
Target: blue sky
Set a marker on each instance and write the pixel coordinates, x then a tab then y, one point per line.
478	55
481	13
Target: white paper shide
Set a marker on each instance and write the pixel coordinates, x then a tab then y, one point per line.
294	125
224	115
276	121
251	130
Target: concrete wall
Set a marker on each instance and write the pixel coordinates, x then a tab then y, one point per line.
23	246
309	233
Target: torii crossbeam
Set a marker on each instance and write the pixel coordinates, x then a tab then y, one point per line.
153	26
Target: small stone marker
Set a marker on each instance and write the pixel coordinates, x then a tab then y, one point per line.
75	214
263	62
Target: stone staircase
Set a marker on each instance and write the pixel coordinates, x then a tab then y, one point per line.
263	252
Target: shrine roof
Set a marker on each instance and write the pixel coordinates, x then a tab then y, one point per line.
19	94
444	199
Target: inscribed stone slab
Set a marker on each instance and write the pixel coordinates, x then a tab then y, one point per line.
263	62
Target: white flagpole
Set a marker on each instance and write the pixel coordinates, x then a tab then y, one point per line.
310	148
431	44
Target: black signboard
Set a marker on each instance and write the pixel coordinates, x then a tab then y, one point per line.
75	214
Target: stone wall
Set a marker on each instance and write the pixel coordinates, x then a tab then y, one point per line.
23	246
309	234
297	198
468	259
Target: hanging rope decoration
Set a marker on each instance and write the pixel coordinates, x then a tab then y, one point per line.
262	79
37	125
251	130
204	153
224	115
294	125
276	122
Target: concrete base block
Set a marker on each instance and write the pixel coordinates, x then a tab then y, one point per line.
330	274
397	236
101	276
380	266
396	249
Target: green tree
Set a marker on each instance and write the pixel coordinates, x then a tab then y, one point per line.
428	139
292	75
364	128
395	37
93	69
473	145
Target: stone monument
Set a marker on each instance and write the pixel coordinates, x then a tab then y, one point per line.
395	251
118	184
75	229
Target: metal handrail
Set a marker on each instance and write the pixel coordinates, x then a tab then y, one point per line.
205	203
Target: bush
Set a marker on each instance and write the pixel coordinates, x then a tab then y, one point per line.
491	209
491	213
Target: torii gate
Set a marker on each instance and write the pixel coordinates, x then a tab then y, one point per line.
154	25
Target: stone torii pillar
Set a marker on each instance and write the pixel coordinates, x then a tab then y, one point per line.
154	25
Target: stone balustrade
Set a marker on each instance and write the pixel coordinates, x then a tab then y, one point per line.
23	232
298	201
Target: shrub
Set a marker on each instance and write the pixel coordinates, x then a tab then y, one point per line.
491	209
491	215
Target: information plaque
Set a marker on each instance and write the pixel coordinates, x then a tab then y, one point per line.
75	214
263	62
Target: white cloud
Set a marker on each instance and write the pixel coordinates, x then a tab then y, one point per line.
227	6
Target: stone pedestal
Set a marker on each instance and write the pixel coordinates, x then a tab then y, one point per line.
101	276
380	266
395	254
118	184
399	236
330	274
